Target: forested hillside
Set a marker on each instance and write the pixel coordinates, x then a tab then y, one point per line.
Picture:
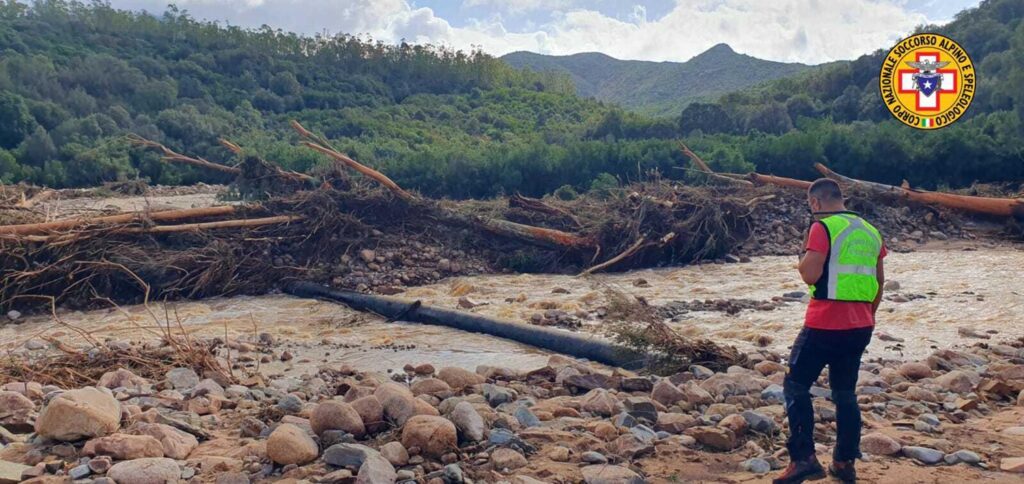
75	79
834	115
658	88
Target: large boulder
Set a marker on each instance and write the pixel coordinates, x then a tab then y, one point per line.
695	395
468	421
458	378
430	386
176	444
610	474
877	443
504	458
915	370
152	470
956	381
400	404
600	402
289	444
348	455
124	447
121	378
18	412
371	412
335	415
376	470
665	393
714	437
435	436
77	414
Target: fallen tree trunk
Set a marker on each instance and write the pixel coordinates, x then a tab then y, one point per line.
526	203
220	224
541	236
778	181
166	215
708	171
319	144
572	344
1002	207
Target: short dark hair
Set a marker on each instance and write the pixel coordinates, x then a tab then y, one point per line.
825	189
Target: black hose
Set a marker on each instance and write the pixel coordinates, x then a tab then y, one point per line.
577	345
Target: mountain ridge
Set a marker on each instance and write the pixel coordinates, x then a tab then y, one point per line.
658	88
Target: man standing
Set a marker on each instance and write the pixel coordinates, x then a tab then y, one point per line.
842	264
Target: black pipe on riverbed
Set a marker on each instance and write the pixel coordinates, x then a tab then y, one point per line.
572	344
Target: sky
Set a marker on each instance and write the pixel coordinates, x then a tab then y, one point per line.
808	31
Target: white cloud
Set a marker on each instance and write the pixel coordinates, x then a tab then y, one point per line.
810	31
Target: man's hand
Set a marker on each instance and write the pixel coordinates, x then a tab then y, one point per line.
880	276
812	264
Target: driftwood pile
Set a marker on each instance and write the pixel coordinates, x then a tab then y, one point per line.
301	224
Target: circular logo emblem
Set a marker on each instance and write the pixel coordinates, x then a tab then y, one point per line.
927	81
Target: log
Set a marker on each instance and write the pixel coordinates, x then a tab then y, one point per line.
220	224
540	236
573	344
759	179
1001	207
174	157
319	144
41	228
536	205
708	171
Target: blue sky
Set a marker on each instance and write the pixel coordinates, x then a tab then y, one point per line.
809	31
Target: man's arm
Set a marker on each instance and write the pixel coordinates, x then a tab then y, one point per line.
812	264
880	275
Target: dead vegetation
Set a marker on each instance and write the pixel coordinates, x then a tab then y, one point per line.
296	226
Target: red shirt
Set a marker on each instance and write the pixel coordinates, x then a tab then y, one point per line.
835	315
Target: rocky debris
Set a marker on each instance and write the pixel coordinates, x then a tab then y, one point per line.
152	470
565	421
76	414
676	310
289	444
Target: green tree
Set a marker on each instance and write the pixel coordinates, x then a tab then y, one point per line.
16	122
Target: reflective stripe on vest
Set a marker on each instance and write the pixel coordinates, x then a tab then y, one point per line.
851	268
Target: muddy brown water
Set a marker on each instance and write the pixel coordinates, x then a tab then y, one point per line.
946	290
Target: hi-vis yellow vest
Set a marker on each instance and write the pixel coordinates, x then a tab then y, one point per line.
850	272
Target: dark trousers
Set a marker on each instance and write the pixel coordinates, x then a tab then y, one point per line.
841	351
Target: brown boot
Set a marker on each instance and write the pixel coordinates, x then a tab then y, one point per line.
843	470
799	471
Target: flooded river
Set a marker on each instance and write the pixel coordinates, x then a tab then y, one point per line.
943	290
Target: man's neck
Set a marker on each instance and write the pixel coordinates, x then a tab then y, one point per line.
829	210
